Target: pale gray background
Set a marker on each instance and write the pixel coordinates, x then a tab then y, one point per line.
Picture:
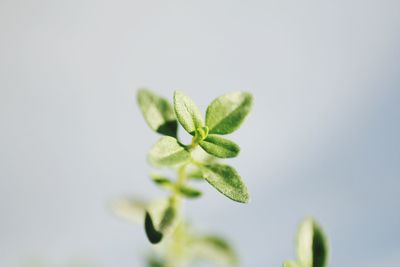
322	140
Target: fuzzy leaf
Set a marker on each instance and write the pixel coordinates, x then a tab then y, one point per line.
213	249
167	152
153	235
312	247
187	112
226	180
291	264
189	192
226	113
220	147
157	112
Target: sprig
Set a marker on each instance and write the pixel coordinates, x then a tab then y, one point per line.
311	246
224	115
162	219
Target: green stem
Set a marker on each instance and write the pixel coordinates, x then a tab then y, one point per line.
175	251
182	175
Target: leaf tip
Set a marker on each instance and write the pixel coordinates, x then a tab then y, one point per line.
153	235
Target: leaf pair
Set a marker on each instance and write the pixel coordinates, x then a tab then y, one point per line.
186	191
222	177
311	247
223	116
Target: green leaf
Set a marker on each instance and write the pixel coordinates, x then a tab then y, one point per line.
226	113
290	264
213	249
312	246
201	133
195	174
155	262
153	235
187	113
226	180
157	112
220	147
189	192
167	152
169	218
161	180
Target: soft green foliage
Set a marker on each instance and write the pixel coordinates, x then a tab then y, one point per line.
214	249
157	112
226	113
189	192
168	152
187	112
169	218
227	181
195	174
161	180
155	262
291	264
195	161
220	147
311	246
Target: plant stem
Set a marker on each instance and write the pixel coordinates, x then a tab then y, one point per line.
175	249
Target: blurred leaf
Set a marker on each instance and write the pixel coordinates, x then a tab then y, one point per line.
169	218
157	112
196	174
200	155
213	249
220	147
226	113
155	262
168	152
161	180
291	264
189	192
130	209
187	112
312	247
226	180
134	210
153	235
